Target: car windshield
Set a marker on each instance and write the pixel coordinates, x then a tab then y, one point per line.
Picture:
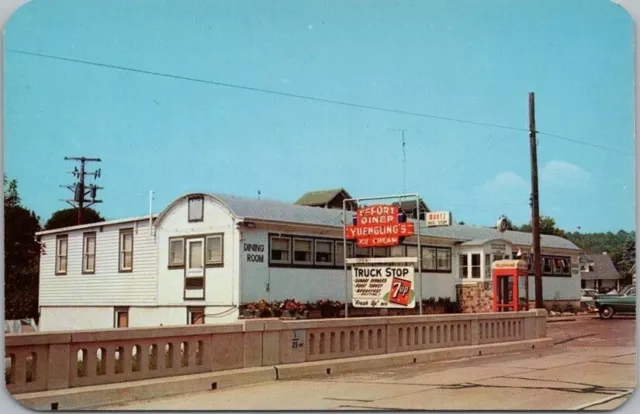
627	290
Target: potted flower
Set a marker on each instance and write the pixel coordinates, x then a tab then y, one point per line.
303	310
264	309
327	308
249	311
289	308
429	305
276	308
313	310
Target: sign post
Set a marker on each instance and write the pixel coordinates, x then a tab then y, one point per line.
379	225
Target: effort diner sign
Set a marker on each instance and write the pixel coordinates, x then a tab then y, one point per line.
383	287
378	226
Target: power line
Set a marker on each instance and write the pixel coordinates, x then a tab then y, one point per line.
268	91
308	97
585	143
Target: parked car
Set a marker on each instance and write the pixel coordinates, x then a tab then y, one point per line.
624	302
587	299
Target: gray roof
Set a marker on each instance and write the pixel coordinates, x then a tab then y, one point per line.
604	268
249	208
321	197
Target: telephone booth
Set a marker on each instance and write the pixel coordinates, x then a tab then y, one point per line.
505	276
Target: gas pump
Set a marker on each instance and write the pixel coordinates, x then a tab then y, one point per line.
505	275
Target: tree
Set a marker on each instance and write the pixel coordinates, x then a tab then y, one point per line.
547	226
69	217
22	256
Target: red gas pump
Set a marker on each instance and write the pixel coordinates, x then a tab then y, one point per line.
505	275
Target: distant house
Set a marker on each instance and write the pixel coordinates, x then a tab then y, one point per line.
410	208
327	199
598	271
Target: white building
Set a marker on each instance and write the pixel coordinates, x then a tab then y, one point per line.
206	254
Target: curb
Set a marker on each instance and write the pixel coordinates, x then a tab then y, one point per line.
113	394
567	319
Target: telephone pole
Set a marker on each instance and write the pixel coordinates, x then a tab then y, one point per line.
535	202
79	189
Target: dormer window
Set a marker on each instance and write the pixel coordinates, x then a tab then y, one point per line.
196	208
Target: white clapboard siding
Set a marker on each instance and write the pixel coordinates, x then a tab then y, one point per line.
107	286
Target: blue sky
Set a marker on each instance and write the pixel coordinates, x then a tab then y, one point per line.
469	60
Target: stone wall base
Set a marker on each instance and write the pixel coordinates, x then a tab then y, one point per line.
474	298
478	298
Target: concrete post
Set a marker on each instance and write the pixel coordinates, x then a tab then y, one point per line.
58	366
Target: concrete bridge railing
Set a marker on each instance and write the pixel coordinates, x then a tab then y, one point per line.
60	360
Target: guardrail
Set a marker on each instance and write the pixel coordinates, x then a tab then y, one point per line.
59	360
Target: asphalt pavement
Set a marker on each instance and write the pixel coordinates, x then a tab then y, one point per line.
592	366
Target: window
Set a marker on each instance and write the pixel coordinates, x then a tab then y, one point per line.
195	316
429	258
566	266
214	250
62	242
302	251
194	283
126	250
121	318
436	259
280	250
475	266
340	252
444	260
464	266
363	252
379	252
557	266
487	265
196	209
176	252
396	251
324	252
89	253
195	254
412	251
546	267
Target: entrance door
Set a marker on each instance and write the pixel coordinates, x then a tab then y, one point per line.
195	258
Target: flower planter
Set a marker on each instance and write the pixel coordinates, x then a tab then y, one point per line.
315	314
249	313
329	313
288	315
265	313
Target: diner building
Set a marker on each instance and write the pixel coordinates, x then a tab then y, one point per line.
205	255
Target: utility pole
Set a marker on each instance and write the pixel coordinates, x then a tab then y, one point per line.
79	189
535	202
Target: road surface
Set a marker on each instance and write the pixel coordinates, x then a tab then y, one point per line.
592	366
